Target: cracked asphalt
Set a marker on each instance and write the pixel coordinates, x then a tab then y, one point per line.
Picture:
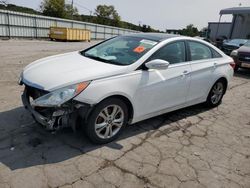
191	148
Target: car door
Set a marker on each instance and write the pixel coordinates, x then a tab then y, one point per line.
162	89
202	67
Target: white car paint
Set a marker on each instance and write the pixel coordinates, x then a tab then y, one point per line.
62	70
151	92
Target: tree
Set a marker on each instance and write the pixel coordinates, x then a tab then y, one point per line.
55	8
147	28
70	11
107	15
190	30
16	8
4	2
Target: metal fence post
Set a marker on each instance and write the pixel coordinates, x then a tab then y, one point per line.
8	25
35	26
104	32
95	32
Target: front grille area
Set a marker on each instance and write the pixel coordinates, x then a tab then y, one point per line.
53	118
244	57
229	47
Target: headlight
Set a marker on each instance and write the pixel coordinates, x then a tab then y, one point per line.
234	53
60	96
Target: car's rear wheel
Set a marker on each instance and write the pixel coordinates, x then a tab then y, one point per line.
106	121
216	94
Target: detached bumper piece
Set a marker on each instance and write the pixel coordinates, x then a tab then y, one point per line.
52	118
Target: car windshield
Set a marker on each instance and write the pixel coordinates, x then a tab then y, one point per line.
238	41
122	50
247	44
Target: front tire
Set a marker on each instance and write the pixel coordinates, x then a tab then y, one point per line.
107	121
216	94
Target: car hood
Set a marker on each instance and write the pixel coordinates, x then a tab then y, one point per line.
62	70
244	49
231	44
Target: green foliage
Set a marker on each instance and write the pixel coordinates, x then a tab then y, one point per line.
12	7
146	28
58	8
190	30
54	8
70	11
105	11
107	15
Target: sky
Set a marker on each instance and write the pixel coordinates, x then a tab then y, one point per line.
159	14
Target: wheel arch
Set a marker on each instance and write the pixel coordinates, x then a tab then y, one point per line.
223	78
126	100
225	81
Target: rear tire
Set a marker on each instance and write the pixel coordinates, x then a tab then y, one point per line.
216	94
107	121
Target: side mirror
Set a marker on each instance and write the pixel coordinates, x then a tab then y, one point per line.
157	64
241	45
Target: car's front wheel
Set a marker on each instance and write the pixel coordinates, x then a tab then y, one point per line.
216	94
106	121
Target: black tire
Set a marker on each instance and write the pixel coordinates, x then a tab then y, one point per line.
91	121
210	101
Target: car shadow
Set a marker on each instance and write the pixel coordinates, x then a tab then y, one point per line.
23	143
243	73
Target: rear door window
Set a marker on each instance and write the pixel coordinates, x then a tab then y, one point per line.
199	51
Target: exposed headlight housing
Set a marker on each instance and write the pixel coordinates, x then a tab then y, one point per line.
58	97
234	53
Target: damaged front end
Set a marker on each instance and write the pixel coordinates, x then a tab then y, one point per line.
53	117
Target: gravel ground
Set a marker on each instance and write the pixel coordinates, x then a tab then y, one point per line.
193	147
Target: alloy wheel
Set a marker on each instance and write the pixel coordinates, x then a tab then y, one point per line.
217	92
109	121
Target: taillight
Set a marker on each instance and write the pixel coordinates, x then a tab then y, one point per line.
232	64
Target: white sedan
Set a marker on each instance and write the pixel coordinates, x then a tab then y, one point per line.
124	80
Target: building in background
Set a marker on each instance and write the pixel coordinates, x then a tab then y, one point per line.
238	28
223	30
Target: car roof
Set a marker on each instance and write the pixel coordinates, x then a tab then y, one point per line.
153	36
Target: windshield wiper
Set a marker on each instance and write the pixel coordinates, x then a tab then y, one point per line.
101	59
96	58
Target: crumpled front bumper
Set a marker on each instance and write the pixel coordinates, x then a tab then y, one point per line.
48	123
56	118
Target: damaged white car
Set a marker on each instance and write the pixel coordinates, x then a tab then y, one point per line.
124	80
